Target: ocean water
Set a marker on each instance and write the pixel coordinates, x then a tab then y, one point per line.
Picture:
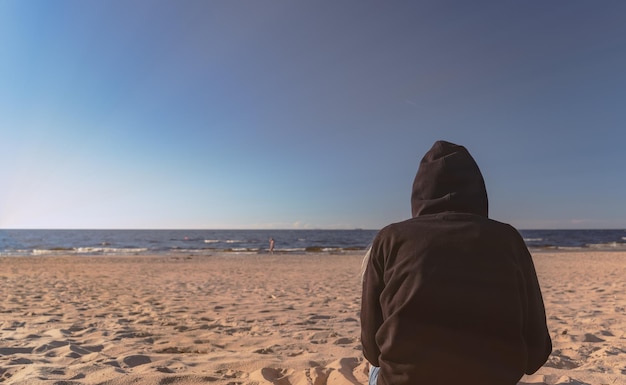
106	242
575	239
46	242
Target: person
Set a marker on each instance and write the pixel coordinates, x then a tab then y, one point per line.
451	296
271	245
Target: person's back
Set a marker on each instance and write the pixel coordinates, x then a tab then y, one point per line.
450	296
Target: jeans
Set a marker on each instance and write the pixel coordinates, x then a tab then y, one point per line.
373	374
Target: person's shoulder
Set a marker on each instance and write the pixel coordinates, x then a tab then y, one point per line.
397	226
396	229
507	232
505	227
389	235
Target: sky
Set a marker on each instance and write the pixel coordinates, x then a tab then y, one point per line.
288	114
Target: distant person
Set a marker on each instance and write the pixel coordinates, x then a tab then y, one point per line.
450	296
271	245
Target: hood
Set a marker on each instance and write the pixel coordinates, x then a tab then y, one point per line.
448	179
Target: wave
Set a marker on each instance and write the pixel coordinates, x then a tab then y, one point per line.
533	239
89	250
261	250
609	245
594	246
226	241
318	249
14	253
51	251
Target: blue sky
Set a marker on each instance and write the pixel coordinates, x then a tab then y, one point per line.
285	114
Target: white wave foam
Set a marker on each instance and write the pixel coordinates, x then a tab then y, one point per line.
211	240
533	239
53	252
14	253
89	250
110	250
605	245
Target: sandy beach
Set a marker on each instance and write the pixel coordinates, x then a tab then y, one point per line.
258	319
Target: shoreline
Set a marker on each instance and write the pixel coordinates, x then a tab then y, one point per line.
189	253
301	253
258	318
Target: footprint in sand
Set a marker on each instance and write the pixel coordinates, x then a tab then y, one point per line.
74	351
20	361
344	341
136	360
11	351
51	346
538	379
561	362
321	337
592	338
276	376
229	374
346	370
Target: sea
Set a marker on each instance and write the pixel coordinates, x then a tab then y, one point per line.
132	242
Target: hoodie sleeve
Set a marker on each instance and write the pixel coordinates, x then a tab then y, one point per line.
537	335
371	312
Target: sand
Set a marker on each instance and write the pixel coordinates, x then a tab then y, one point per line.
258	319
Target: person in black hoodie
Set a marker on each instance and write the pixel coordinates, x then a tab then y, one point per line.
451	296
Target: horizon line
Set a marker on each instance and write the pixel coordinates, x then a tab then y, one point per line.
267	229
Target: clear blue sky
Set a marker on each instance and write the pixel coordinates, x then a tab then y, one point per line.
293	114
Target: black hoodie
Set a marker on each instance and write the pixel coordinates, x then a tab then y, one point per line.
450	296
